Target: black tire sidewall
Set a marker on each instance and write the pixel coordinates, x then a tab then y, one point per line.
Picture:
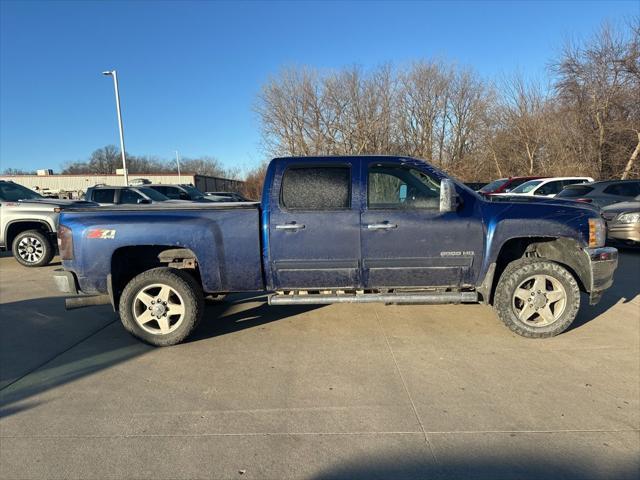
511	279
46	245
184	284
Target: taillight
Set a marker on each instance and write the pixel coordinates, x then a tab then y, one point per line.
65	242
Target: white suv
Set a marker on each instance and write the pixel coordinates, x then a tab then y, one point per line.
545	187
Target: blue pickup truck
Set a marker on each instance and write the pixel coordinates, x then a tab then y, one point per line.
339	230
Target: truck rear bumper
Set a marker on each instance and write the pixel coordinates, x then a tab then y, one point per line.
602	264
65	281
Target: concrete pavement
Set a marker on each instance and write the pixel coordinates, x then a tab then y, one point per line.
342	391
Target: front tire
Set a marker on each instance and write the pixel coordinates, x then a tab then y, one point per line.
537	298
161	306
32	248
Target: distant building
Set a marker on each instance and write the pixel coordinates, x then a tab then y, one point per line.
73	186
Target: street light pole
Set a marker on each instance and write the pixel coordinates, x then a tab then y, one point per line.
178	162
114	74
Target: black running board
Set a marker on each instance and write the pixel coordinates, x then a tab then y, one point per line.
428	298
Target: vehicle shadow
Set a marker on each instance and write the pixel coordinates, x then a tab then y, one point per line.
230	316
44	346
625	288
519	464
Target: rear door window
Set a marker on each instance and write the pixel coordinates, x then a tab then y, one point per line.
172	192
103	195
162	190
129	196
316	188
550	188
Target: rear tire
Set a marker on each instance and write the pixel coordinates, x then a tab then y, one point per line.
537	298
161	306
32	248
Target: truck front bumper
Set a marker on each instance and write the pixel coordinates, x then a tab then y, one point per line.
603	262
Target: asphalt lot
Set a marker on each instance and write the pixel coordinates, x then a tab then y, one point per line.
341	391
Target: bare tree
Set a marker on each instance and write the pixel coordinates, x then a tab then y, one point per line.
599	80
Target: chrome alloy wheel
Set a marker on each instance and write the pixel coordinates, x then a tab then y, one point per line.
158	309
539	300
30	249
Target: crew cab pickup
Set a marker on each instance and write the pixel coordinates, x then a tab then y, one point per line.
339	230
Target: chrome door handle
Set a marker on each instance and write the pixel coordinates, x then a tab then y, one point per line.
381	226
290	226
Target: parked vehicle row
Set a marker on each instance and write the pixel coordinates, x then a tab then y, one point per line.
29	221
618	199
505	185
545	187
603	193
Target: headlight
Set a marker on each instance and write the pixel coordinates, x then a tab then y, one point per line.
628	217
597	232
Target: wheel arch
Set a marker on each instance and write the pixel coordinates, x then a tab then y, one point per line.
16	227
129	261
562	250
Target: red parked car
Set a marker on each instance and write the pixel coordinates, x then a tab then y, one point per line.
505	185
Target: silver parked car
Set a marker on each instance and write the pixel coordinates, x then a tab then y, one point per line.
28	223
623	222
601	194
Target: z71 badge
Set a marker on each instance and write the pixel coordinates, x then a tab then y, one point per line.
102	233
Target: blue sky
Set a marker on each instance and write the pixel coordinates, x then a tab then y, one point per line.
190	71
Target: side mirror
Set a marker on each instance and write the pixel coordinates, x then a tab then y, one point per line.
143	201
448	196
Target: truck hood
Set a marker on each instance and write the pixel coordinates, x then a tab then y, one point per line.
546	201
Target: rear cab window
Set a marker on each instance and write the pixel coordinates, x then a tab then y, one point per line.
316	188
128	196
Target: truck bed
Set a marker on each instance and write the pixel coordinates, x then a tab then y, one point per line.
225	238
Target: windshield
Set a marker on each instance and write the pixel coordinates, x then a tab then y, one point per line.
153	195
527	186
496	184
193	192
12	192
